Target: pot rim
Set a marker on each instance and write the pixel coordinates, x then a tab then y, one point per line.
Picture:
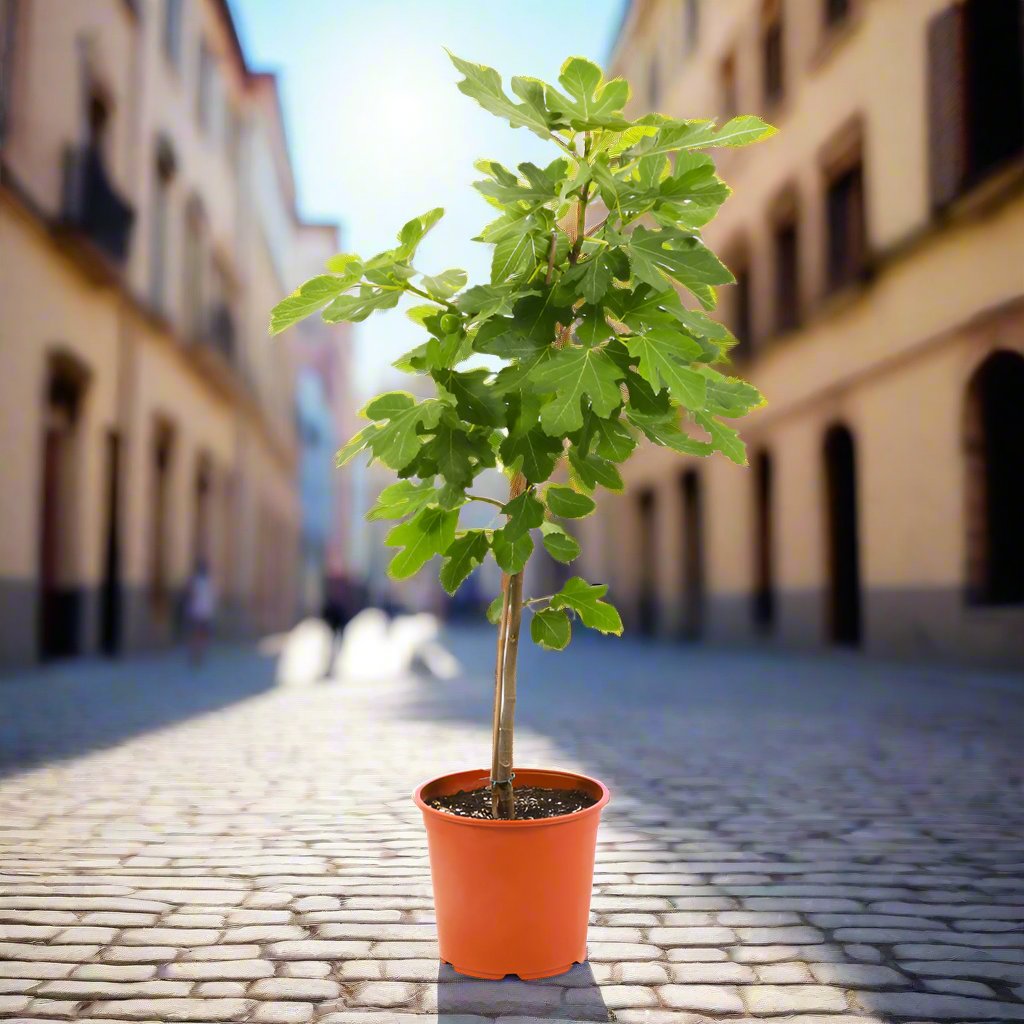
561	819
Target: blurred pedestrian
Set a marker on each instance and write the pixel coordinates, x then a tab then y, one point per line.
200	608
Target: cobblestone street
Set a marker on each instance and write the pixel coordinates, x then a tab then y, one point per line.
790	839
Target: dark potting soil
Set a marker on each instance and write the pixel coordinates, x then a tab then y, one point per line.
531	802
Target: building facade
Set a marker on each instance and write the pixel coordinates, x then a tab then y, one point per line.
147	423
878	247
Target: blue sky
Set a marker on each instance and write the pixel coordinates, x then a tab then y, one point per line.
379	133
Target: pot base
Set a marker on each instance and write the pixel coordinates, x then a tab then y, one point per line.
469	972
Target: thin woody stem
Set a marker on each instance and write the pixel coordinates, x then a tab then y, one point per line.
502	796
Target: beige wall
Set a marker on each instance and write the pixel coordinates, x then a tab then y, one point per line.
57	291
889	357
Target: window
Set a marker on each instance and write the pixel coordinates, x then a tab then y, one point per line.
995	485
194	304
772	53
691	25
836	12
764	561
647	598
976	93
742	311
8	32
160	517
844	201
163	173
729	107
787	273
172	30
234	136
842	537
204	89
693	555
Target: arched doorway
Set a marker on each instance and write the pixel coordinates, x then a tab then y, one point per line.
59	620
693	556
994	442
647	608
844	597
764	561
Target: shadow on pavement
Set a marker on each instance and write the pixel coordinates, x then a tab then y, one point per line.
70	708
458	996
789	831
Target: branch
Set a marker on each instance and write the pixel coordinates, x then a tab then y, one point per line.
490	501
430	298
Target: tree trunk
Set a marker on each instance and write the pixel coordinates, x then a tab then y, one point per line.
502	796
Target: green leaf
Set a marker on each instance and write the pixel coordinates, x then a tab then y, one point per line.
559	544
494	610
572	373
358	307
511	551
673	136
398	442
475	399
524	513
724	439
401	499
596	273
430	532
527	448
413	232
585	600
664	430
458	455
463	555
519	245
310	297
612	440
348	264
483	301
729	396
661	353
592	102
551	629
740	131
567	503
591	471
535	187
483	84
663	256
444	285
354	446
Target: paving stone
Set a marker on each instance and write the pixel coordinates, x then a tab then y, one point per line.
701	998
73	988
711	974
284	1013
857	975
611	997
170	1009
295	988
219	970
791	973
385	993
768	999
304	969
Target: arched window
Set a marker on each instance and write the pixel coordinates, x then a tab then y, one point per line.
994	443
844	598
764	561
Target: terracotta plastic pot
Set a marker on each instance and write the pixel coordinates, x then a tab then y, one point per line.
512	897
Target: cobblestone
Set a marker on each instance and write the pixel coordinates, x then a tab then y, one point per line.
822	842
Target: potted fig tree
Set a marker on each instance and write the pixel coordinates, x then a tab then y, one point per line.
551	372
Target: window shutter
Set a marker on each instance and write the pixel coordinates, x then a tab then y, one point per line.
947	95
